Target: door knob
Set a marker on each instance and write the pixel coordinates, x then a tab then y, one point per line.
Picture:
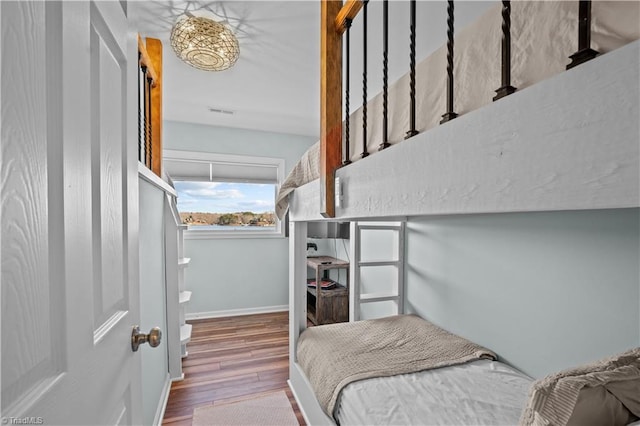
153	338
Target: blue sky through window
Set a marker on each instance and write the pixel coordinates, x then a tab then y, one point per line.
223	197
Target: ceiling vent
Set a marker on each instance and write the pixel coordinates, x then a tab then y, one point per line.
221	111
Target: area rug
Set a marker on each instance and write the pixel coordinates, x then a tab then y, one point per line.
272	409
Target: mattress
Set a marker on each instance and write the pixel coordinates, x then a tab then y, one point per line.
482	392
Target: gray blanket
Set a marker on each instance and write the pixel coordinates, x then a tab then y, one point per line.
305	171
334	355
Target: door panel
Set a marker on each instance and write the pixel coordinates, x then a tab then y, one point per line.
29	357
107	82
69	244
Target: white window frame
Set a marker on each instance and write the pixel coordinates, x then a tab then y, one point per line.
204	157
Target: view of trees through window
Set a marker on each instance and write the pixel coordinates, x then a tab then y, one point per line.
226	205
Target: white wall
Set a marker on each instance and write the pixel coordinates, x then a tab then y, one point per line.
152	295
237	275
544	290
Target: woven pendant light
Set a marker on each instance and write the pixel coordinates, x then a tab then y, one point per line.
204	44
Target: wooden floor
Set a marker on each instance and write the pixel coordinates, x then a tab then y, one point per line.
231	359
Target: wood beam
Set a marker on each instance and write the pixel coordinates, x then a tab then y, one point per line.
154	50
349	11
145	60
330	104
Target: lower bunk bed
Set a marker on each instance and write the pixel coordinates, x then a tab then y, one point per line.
403	370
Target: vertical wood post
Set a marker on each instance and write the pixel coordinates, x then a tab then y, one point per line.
154	49
330	103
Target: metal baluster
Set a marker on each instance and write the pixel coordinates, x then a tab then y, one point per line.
412	72
347	159
385	76
139	119
506	88
365	153
449	115
144	115
585	52
150	165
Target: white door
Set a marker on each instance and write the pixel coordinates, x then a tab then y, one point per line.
69	214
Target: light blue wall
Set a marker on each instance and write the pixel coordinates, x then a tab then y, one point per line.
544	290
236	274
155	366
226	140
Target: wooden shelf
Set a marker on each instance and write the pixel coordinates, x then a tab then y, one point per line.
337	291
326	262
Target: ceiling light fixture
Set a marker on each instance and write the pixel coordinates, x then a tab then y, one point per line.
204	44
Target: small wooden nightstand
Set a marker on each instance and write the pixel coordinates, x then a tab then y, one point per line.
327	306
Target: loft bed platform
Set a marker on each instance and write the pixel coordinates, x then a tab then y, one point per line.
570	142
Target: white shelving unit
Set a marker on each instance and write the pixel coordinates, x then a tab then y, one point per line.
178	331
184	296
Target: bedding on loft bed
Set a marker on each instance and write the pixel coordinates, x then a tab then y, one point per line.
405	370
543	37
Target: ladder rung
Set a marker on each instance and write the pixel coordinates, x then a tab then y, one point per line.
380	228
380	263
377	297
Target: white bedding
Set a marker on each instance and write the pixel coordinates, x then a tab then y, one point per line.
480	392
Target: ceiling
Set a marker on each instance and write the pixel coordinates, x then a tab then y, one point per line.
274	85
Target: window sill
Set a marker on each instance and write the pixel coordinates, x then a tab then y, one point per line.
217	235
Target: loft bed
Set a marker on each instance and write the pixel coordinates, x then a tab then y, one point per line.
568	142
541	140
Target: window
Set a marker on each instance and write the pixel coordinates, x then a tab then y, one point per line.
227	196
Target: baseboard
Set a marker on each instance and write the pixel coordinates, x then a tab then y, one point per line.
164	398
236	312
